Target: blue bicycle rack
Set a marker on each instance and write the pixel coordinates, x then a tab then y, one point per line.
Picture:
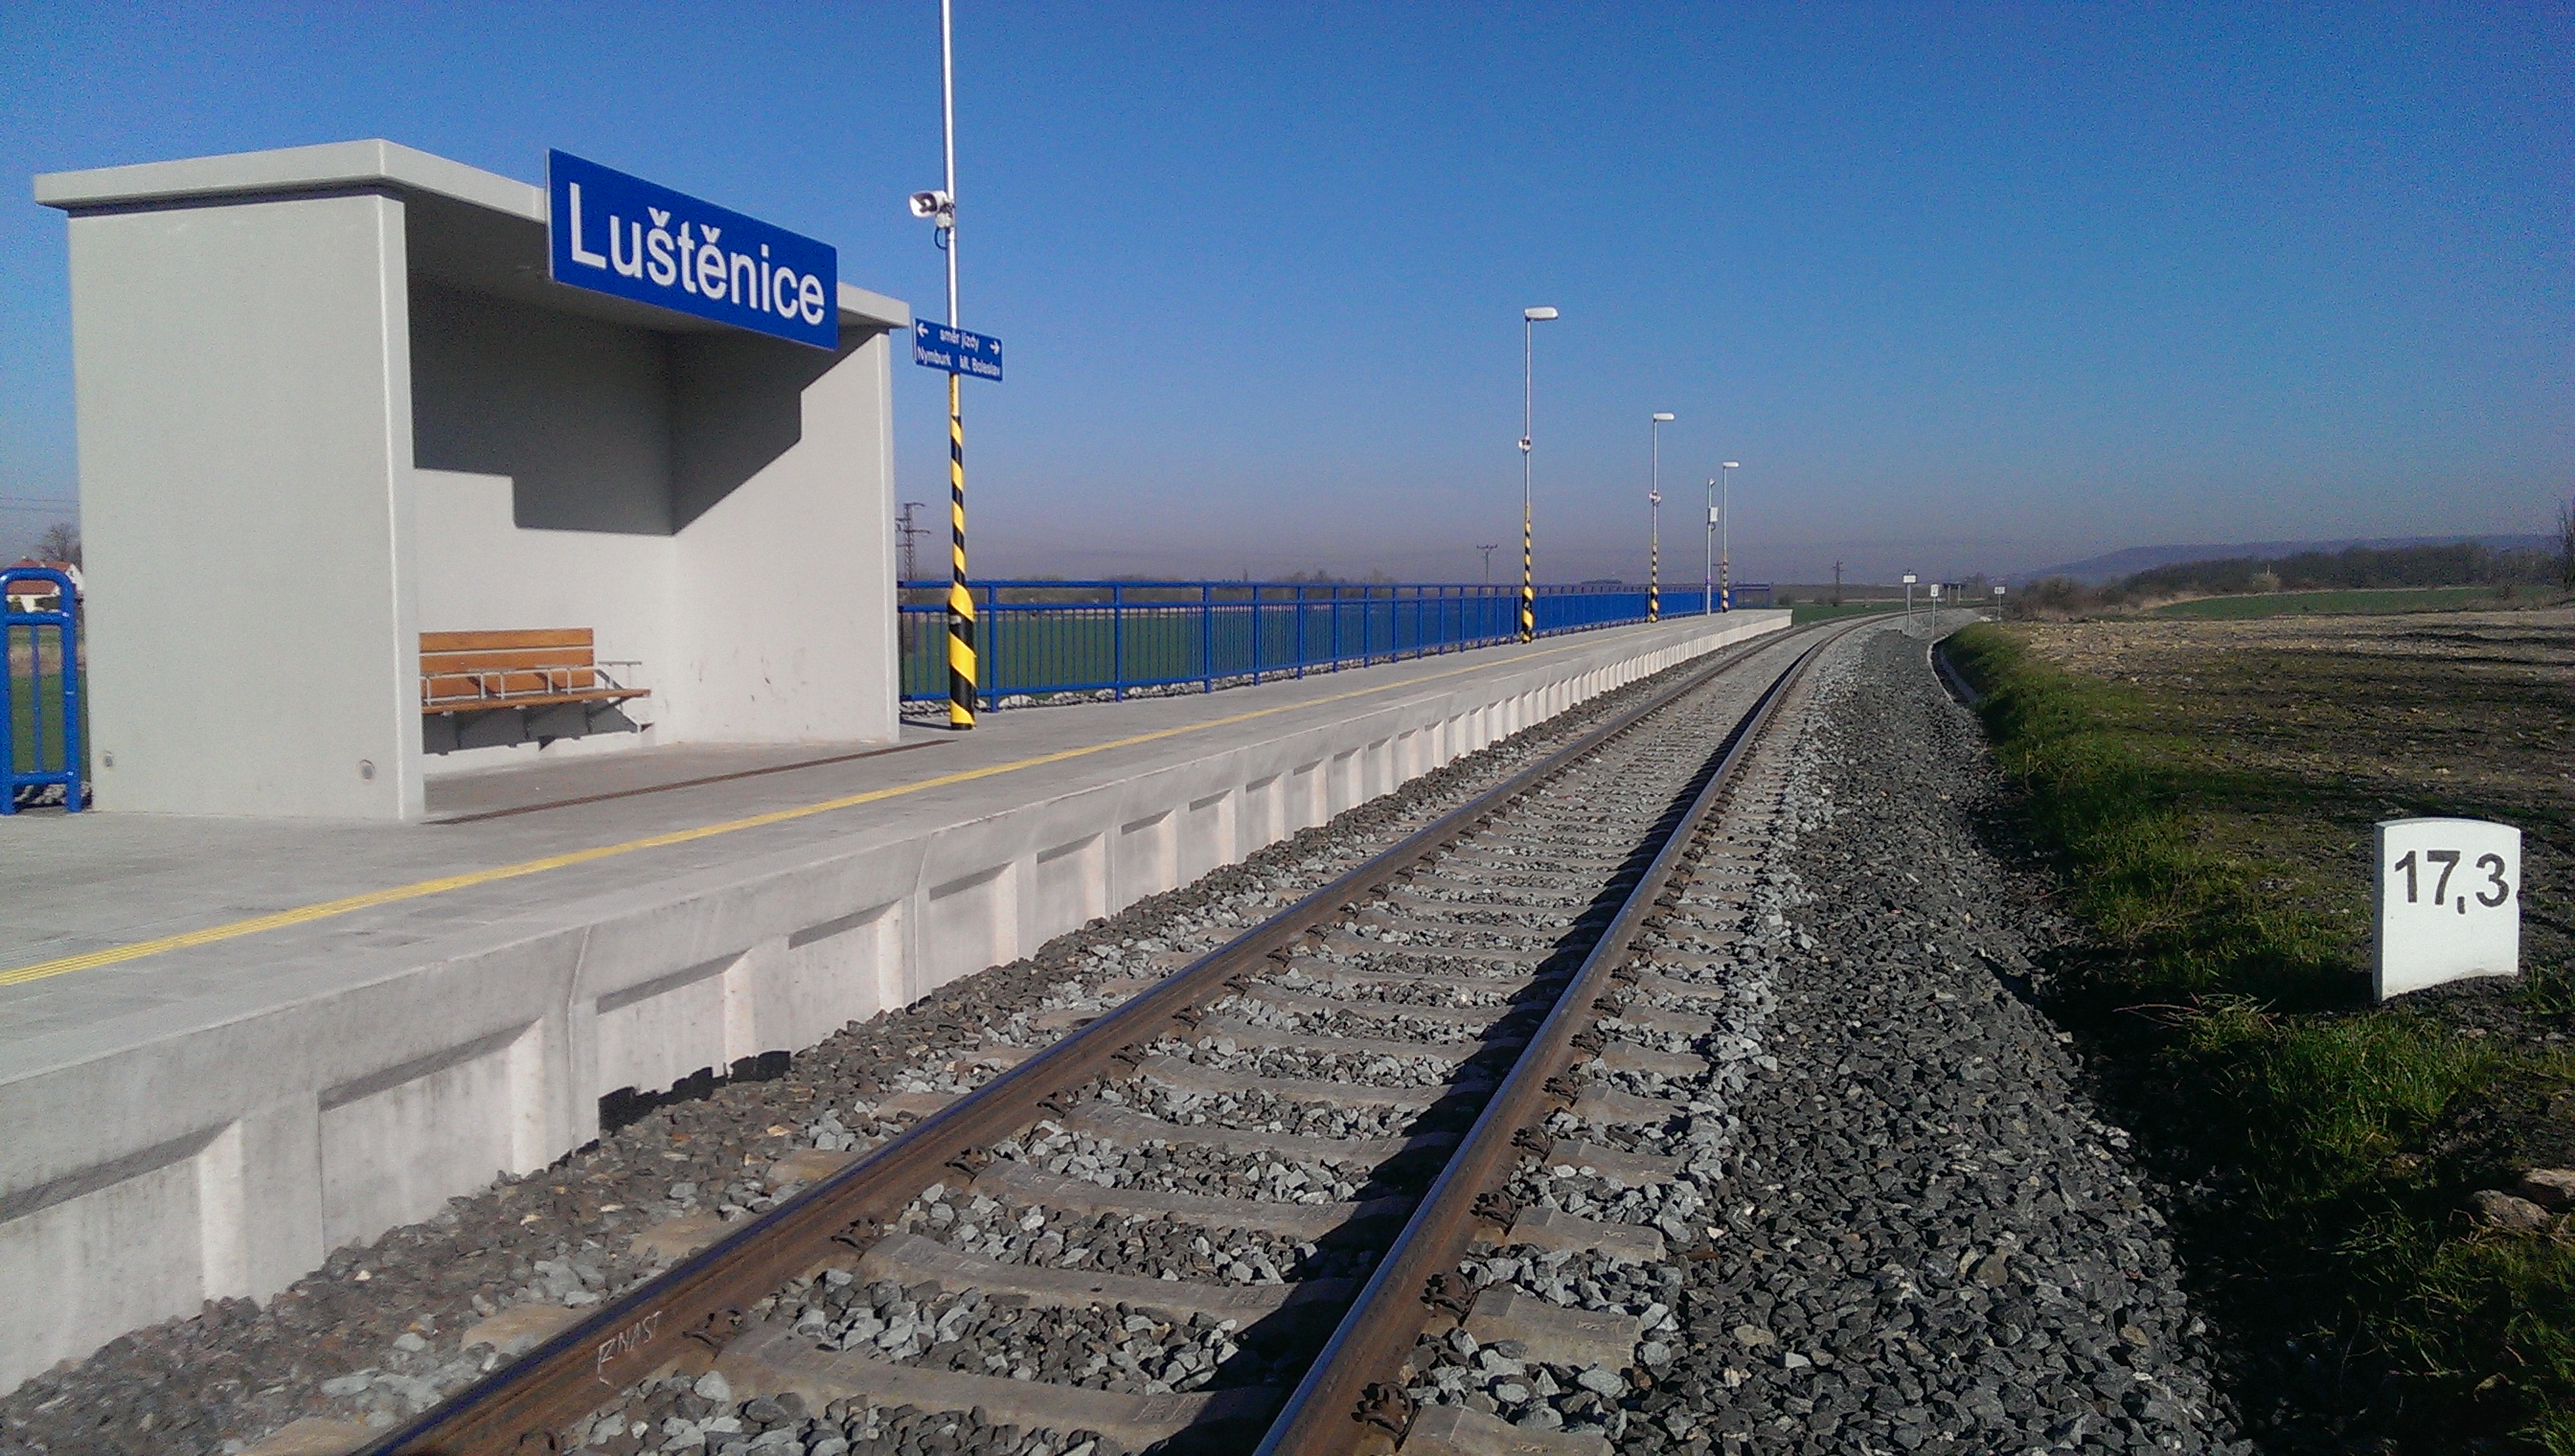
65	739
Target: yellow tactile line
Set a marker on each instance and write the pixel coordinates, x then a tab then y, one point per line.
421	889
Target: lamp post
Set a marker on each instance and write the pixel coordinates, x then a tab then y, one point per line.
939	208
1488	549
1655	526
1530	319
1707	570
1726	530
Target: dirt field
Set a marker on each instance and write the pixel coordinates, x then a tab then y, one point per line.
2306	730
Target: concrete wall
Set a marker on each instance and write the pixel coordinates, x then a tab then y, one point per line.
480	570
206	1150
242	378
788	633
716	507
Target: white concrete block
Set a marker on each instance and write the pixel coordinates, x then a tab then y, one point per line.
1149	859
1206	837
397	1143
653	1034
135	1217
1070	885
970	922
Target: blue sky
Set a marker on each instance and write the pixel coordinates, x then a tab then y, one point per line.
1964	287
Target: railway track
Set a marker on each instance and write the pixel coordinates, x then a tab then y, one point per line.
1233	1210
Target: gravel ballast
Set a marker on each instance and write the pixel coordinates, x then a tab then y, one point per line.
1924	1238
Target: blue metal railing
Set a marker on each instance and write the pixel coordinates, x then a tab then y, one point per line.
28	710
1037	638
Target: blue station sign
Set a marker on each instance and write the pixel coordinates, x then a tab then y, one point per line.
937	346
621	235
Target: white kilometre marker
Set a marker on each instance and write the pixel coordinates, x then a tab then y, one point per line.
2446	902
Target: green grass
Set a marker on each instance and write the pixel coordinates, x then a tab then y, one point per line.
2255	1057
2373	600
34	697
1805	612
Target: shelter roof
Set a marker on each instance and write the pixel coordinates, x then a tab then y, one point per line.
471	228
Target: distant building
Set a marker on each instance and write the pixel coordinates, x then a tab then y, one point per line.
34	594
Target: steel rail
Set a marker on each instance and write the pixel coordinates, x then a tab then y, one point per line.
688	1313
1352	1398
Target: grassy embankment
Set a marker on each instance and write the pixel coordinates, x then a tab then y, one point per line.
2352	599
2210	831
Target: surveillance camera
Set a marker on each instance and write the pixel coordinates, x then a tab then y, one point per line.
933	203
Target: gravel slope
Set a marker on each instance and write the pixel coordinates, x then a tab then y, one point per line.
1924	1239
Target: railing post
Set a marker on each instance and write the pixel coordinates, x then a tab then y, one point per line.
1301	631
1117	643
1207	636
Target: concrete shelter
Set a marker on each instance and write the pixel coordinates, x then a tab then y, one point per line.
330	400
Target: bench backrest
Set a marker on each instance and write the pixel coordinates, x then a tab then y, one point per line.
464	666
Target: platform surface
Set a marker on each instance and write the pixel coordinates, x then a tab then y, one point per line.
106	882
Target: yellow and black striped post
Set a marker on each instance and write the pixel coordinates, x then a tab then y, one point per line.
960	602
1654	580
1528	581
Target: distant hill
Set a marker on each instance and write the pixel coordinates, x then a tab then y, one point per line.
2121	564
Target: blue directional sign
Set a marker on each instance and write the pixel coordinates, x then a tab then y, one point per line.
621	235
936	346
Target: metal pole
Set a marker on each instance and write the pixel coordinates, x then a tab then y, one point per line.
1528	488
1654	558
1724	536
1654	527
1707	572
960	602
1531	318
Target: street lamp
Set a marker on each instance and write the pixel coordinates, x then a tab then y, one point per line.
1530	319
939	208
1707	572
1726	530
1654	530
1488	549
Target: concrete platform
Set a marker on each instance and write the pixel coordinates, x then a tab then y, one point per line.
228	1046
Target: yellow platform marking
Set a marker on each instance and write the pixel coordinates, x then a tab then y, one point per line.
421	889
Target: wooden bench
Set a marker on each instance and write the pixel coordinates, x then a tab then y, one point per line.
471	672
